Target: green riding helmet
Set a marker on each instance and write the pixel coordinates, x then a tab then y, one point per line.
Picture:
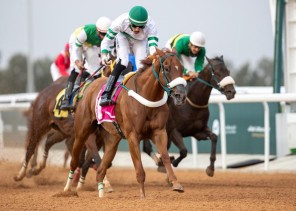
138	16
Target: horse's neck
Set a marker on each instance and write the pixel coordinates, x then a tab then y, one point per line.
199	93
148	87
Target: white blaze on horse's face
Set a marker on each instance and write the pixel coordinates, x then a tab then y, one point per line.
177	67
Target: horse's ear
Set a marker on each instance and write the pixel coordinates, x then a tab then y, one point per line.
208	59
221	57
157	50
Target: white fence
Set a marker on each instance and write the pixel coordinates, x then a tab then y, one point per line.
246	98
22	102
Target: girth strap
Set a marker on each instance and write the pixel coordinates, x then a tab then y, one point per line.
118	129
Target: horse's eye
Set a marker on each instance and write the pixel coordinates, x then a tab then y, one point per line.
166	67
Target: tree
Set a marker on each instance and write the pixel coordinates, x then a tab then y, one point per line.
42	73
14	78
260	76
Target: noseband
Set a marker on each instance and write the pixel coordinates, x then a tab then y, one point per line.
168	87
219	85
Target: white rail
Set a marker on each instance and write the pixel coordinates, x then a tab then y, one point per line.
247	98
22	101
12	102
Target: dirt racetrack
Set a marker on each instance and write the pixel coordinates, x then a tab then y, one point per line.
227	190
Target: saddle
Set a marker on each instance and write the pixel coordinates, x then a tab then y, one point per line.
74	99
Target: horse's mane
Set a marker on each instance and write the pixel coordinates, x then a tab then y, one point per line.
219	58
147	62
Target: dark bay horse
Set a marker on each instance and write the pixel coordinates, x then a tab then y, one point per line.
191	118
142	115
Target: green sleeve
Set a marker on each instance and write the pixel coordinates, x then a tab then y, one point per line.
179	48
200	59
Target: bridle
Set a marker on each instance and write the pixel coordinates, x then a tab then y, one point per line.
219	85
168	86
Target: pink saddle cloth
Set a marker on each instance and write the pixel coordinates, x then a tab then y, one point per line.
107	113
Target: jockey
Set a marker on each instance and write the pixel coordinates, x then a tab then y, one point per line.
191	51
60	67
85	42
134	31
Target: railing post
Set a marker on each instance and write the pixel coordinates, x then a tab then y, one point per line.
266	136
1	133
222	135
194	151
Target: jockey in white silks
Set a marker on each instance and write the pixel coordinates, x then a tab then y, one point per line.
133	31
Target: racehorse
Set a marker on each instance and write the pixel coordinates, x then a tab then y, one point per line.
41	122
191	118
141	115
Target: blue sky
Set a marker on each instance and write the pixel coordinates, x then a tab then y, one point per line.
239	30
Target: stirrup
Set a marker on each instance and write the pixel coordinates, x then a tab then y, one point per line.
66	105
106	102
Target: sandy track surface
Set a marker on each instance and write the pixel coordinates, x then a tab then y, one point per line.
227	190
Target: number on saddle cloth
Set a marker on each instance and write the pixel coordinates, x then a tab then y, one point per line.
57	108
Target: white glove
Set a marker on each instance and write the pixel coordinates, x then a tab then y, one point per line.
105	59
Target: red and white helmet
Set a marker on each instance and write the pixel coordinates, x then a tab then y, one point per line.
103	24
198	39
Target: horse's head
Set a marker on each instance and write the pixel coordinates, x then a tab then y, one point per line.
217	75
170	75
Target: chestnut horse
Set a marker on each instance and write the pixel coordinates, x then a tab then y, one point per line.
42	122
141	112
191	119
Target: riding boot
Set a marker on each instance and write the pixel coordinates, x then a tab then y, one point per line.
84	76
106	96
65	105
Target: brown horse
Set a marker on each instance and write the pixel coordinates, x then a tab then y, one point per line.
191	119
42	122
137	118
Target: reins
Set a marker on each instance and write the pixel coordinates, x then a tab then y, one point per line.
218	87
166	87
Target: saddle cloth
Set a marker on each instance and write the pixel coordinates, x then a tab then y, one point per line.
75	97
57	108
107	113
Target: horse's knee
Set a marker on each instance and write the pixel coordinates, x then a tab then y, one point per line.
183	153
165	158
214	138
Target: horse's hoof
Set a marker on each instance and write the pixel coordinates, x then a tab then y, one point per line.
210	172
109	190
161	169
178	187
29	173
17	178
172	158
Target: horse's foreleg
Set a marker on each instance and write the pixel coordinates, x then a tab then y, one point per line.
160	141
135	152
213	137
177	139
211	168
77	147
111	145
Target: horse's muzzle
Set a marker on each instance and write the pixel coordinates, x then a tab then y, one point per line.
229	91
179	95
